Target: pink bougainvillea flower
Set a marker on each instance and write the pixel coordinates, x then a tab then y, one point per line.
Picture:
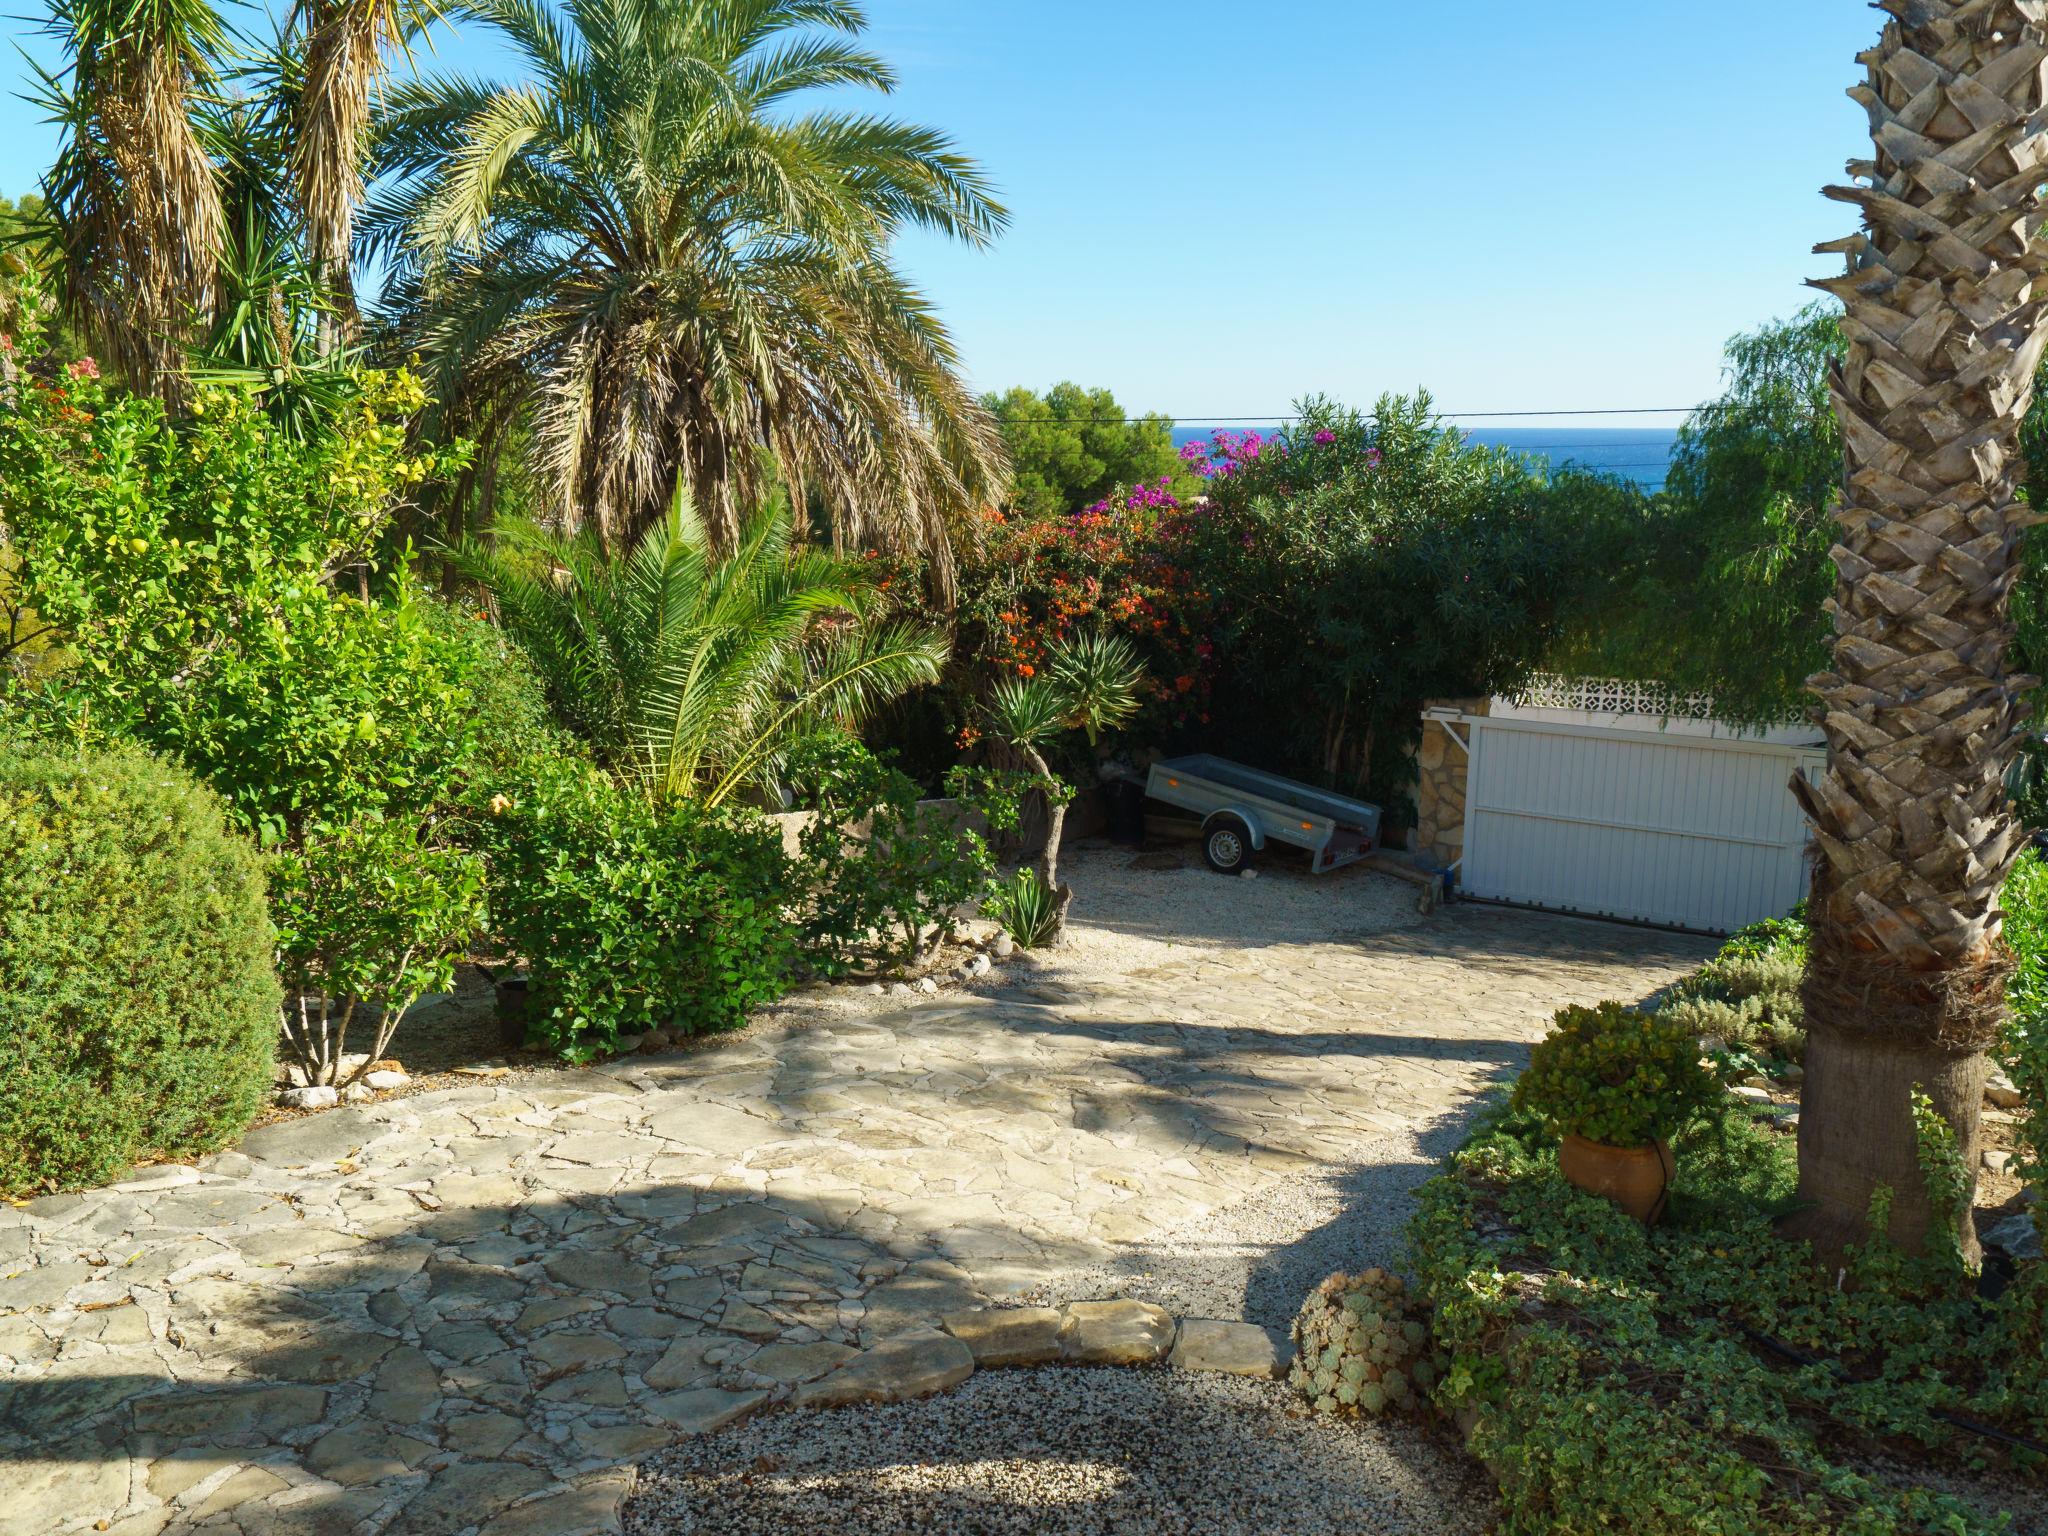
1325	437
1372	457
85	368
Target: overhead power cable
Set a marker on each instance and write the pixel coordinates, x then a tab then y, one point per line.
1208	420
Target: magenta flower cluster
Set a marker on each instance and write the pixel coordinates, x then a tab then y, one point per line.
1158	497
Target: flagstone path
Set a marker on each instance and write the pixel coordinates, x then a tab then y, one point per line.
473	1310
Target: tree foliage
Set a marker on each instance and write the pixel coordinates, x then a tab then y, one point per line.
1071	447
640	247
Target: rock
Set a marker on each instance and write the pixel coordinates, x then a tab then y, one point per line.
873	989
2017	1235
1235	1349
1002	946
366	1453
628	1044
590	1507
909	1365
482	1069
1786	1122
385	1079
788	1364
1749	1093
978	965
320	1096
2000	1093
1792	1072
926	985
1118	1332
1997	1162
1247	874
1709	1044
900	989
1009	1335
706	1409
459	1497
656	1040
357	1093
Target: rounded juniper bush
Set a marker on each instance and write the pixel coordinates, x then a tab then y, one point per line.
138	1008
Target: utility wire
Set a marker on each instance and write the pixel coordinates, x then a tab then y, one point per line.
1205	420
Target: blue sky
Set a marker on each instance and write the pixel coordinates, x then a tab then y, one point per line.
1215	211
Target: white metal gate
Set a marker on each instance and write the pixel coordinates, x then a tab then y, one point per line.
1679	823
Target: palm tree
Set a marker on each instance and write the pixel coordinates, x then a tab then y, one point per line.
133	208
347	44
691	672
1906	982
649	252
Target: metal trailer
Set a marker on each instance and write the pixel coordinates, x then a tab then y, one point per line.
1242	808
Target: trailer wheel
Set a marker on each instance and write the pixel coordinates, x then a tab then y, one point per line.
1227	844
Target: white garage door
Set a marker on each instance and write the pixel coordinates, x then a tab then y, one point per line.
1689	830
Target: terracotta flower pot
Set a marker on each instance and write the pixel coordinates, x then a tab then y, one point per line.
1638	1179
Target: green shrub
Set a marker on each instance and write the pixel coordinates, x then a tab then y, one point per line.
1750	1000
373	912
630	917
137	1004
1616	1076
880	875
2025	1045
1704	1375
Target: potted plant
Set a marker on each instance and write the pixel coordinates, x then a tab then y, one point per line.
1615	1084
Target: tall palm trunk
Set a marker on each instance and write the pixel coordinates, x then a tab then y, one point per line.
345	52
1905	987
133	196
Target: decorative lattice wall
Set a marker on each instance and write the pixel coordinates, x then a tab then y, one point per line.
1613	696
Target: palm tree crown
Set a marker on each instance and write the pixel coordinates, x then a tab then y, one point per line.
647	249
693	673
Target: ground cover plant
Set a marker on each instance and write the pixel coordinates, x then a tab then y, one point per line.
1704	1375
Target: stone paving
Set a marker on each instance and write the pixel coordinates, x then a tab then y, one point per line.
474	1310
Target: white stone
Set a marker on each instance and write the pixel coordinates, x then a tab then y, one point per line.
357	1093
1118	1332
978	965
1997	1162
1248	874
385	1079
1235	1349
2000	1093
926	985
320	1096
1002	946
1750	1094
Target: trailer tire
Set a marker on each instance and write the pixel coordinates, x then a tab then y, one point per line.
1226	844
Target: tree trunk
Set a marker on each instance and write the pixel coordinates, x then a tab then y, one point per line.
1905	985
1047	860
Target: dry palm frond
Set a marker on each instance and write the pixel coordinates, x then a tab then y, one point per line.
133	201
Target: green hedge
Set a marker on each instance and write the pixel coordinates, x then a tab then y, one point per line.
138	1009
632	918
1702	1376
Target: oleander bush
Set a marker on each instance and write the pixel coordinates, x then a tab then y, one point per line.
1702	1375
137	1004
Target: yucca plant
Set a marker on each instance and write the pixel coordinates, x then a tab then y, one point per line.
1090	684
694	672
1027	909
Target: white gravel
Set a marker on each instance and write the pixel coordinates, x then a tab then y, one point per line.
1061	1452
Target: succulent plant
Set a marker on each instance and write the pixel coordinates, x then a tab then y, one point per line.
1361	1346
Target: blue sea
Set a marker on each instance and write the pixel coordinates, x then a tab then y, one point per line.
1641	454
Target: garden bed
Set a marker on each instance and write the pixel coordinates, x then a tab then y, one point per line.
1701	1376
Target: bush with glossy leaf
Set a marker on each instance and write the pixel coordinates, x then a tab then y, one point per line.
137	1003
630	915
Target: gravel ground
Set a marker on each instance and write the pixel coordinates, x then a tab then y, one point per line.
1062	1452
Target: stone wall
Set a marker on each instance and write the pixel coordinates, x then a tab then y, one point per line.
1441	764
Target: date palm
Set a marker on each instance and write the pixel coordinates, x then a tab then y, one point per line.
132	204
1906	981
690	671
667	267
